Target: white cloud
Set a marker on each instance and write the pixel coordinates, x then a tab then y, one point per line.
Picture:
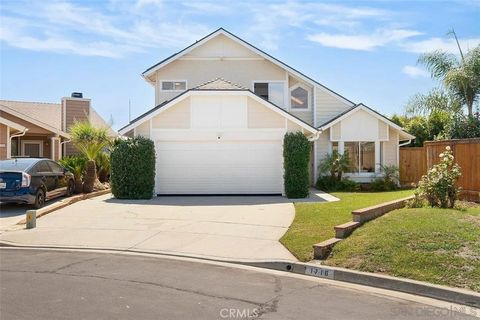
440	44
64	27
365	42
415	72
272	20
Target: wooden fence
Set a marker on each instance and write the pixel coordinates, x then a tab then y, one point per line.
414	162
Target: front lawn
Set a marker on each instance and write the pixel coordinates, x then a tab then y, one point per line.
440	246
314	222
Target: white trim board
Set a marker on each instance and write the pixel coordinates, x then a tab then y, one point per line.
247	93
372	113
39	142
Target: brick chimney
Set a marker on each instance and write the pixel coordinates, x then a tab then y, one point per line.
74	108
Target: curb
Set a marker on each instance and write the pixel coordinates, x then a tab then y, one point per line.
65	203
453	295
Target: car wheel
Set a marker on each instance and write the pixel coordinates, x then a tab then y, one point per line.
70	188
39	199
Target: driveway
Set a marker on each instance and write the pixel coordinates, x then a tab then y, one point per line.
218	227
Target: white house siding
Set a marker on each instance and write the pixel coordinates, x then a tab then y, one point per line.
261	117
390	149
328	106
322	148
143	130
177	117
197	72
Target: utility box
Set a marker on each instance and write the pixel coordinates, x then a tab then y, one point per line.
31	219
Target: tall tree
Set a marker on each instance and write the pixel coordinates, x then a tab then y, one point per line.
460	75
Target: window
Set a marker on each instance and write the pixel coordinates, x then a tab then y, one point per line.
271	91
174	85
361	155
299	97
42	167
55	167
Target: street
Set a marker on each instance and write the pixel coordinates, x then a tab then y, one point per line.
42	284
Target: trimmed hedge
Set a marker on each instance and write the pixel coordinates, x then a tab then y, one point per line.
296	156
133	169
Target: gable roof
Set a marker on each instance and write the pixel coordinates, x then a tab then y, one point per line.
372	112
196	91
260	52
14	109
48	113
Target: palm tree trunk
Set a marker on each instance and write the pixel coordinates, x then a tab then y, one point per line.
90	176
470	108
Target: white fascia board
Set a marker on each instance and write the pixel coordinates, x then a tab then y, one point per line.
12	124
190	93
372	113
249	46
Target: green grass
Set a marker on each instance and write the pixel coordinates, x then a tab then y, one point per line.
314	222
440	246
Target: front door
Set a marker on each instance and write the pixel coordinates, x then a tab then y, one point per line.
32	148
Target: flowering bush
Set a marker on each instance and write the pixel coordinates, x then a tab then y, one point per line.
438	186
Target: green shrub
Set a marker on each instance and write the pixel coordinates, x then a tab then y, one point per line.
335	164
388	182
76	165
296	156
133	168
438	187
329	184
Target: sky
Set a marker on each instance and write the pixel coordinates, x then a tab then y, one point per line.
365	50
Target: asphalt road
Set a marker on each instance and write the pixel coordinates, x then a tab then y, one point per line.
38	284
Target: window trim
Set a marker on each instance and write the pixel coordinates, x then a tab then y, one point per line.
359	173
285	96
39	142
309	98
164	80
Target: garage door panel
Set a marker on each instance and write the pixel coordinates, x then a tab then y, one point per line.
219	167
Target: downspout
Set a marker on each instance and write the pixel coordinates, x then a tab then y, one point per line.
16	136
405	143
62	143
315	136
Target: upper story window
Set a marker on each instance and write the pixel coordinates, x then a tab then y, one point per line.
273	91
299	97
174	85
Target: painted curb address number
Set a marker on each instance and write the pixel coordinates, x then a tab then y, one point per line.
319	272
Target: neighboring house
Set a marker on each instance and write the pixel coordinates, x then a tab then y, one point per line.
37	129
223	107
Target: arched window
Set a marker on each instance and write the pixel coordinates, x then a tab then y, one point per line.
299	97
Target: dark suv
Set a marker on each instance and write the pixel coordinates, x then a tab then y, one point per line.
33	181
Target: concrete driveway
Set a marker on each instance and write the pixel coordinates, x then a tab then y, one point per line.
218	227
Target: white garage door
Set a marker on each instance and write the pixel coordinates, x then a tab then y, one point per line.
236	167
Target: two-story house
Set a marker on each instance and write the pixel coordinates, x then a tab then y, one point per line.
223	107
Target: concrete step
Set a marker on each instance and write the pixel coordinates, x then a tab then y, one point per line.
322	250
344	230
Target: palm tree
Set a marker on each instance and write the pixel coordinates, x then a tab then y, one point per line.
90	141
335	164
435	100
76	165
460	76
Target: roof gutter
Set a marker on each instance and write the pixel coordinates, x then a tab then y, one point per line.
405	143
315	136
